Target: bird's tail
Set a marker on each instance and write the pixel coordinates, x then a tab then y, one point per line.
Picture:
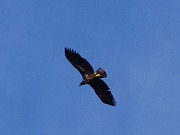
101	72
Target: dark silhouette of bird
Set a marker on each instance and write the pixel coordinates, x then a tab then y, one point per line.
90	77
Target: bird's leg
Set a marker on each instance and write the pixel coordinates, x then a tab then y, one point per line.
98	75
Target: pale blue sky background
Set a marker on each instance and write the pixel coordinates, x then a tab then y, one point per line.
137	42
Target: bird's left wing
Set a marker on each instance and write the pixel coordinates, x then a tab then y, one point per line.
81	64
102	90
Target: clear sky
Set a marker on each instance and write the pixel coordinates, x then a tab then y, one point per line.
137	42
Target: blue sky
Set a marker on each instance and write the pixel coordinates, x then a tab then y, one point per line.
137	42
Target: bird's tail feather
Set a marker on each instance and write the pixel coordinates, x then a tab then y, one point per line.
101	72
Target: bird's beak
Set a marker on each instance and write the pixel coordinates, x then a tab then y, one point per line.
81	84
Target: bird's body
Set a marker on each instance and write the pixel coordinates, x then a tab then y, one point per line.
90	77
100	73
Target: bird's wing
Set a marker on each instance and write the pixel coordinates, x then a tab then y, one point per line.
81	64
102	90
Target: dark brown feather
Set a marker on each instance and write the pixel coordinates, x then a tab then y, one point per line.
102	90
81	64
86	70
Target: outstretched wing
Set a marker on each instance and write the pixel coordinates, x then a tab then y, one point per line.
81	64
102	90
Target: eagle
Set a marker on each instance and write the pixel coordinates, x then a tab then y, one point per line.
90	77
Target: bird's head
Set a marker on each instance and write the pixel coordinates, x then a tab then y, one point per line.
82	83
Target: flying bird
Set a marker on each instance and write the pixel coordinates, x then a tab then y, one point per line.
90	77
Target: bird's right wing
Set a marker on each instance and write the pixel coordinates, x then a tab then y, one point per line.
81	64
102	90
